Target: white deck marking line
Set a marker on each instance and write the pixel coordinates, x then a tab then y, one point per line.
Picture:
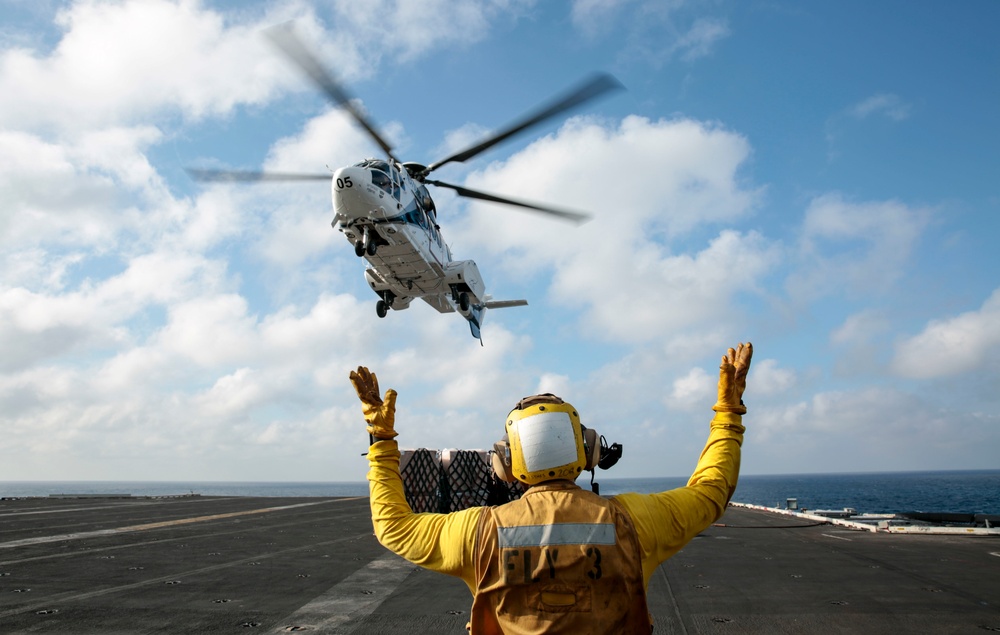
356	596
132	503
662	572
167	523
837	537
72	596
995	553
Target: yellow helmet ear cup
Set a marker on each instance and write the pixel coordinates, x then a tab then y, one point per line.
592	446
502	462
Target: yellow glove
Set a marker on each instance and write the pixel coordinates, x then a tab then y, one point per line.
733	379
379	414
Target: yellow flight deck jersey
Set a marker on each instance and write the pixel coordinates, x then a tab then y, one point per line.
560	556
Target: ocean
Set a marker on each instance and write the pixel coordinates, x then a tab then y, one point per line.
965	491
960	491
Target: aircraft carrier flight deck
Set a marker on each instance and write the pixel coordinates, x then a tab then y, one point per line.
194	564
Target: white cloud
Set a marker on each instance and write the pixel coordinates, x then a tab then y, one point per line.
126	61
647	183
664	293
589	15
700	38
42	325
656	31
965	343
861	248
692	391
236	393
861	343
214	380
695	391
654	177
882	103
106	197
78	211
410	28
331	139
875	429
860	328
119	62
460	138
767	379
553	383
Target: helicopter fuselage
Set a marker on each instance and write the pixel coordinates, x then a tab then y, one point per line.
391	220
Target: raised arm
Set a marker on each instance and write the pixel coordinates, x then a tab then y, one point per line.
666	521
440	542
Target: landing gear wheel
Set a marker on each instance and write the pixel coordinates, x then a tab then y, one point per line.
463	302
381	308
365	243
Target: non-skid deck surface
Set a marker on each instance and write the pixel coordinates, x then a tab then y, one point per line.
312	565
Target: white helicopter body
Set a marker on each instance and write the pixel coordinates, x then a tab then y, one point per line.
391	221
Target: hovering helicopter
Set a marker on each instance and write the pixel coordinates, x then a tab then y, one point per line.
383	207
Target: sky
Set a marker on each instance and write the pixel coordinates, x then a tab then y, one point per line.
821	179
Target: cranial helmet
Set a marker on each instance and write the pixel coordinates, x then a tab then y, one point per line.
544	440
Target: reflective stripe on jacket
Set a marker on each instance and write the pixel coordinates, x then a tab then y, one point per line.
558	560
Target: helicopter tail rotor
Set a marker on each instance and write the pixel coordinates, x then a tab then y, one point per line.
478	312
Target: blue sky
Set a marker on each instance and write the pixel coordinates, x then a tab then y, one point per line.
820	179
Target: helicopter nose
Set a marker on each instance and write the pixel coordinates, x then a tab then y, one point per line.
349	191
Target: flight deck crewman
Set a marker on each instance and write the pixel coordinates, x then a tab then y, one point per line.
560	559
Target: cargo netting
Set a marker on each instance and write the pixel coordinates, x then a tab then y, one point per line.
421	472
452	480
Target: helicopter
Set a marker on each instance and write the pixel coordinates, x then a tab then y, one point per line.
383	208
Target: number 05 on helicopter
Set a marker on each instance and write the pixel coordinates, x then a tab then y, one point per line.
383	208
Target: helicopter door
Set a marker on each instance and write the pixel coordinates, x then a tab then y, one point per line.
395	182
435	242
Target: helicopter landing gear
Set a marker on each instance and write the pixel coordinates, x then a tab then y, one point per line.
382	306
461	298
366	244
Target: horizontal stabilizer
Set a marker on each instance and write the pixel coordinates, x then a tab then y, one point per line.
503	304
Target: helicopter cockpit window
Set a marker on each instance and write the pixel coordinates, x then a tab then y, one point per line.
375	164
380	171
382	180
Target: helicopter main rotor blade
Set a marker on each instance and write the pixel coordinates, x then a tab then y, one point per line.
594	87
251	176
575	217
283	36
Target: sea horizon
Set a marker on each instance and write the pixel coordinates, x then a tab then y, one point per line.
966	491
628	478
